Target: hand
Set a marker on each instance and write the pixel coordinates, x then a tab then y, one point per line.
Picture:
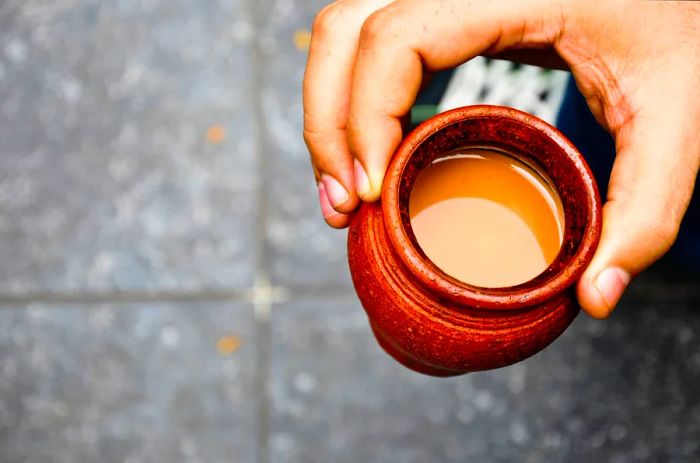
637	63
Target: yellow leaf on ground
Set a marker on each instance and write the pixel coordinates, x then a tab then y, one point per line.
227	345
302	39
216	134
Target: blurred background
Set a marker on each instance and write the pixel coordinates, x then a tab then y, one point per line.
169	291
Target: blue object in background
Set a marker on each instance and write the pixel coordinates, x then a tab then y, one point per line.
578	124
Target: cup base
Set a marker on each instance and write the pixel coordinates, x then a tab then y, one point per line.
407	361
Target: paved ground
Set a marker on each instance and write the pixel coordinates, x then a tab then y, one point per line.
169	293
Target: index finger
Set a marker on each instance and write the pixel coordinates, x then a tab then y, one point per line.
327	84
400	40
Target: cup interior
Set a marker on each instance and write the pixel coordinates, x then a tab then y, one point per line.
518	135
512	242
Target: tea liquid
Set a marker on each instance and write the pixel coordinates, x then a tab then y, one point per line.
486	218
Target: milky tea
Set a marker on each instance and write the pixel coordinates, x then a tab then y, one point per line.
486	218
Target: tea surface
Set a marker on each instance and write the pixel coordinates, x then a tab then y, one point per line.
486	218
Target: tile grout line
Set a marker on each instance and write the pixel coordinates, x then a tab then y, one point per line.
260	291
126	296
264	295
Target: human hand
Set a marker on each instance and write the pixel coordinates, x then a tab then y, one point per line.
637	63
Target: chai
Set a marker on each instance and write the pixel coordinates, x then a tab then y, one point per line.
486	218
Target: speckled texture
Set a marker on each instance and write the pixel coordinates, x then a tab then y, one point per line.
87	378
304	253
106	178
126	383
604	391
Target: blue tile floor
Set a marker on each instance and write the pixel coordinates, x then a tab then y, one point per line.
168	291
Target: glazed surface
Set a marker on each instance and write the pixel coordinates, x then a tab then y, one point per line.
434	336
434	323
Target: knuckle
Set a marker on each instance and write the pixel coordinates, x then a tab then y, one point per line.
668	231
319	144
378	27
327	20
310	138
660	230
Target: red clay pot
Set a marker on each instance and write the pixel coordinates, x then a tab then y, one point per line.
436	324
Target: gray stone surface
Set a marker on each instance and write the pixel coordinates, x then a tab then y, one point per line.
126	383
304	251
110	191
106	178
615	391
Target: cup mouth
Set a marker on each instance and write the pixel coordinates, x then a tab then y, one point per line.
524	137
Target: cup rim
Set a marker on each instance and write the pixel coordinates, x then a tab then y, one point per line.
445	286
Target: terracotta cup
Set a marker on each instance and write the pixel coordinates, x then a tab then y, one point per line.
434	323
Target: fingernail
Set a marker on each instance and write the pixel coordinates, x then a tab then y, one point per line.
337	194
326	208
611	283
361	180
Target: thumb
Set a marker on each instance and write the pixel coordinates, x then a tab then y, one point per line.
650	188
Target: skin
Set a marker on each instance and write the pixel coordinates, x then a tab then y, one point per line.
636	62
